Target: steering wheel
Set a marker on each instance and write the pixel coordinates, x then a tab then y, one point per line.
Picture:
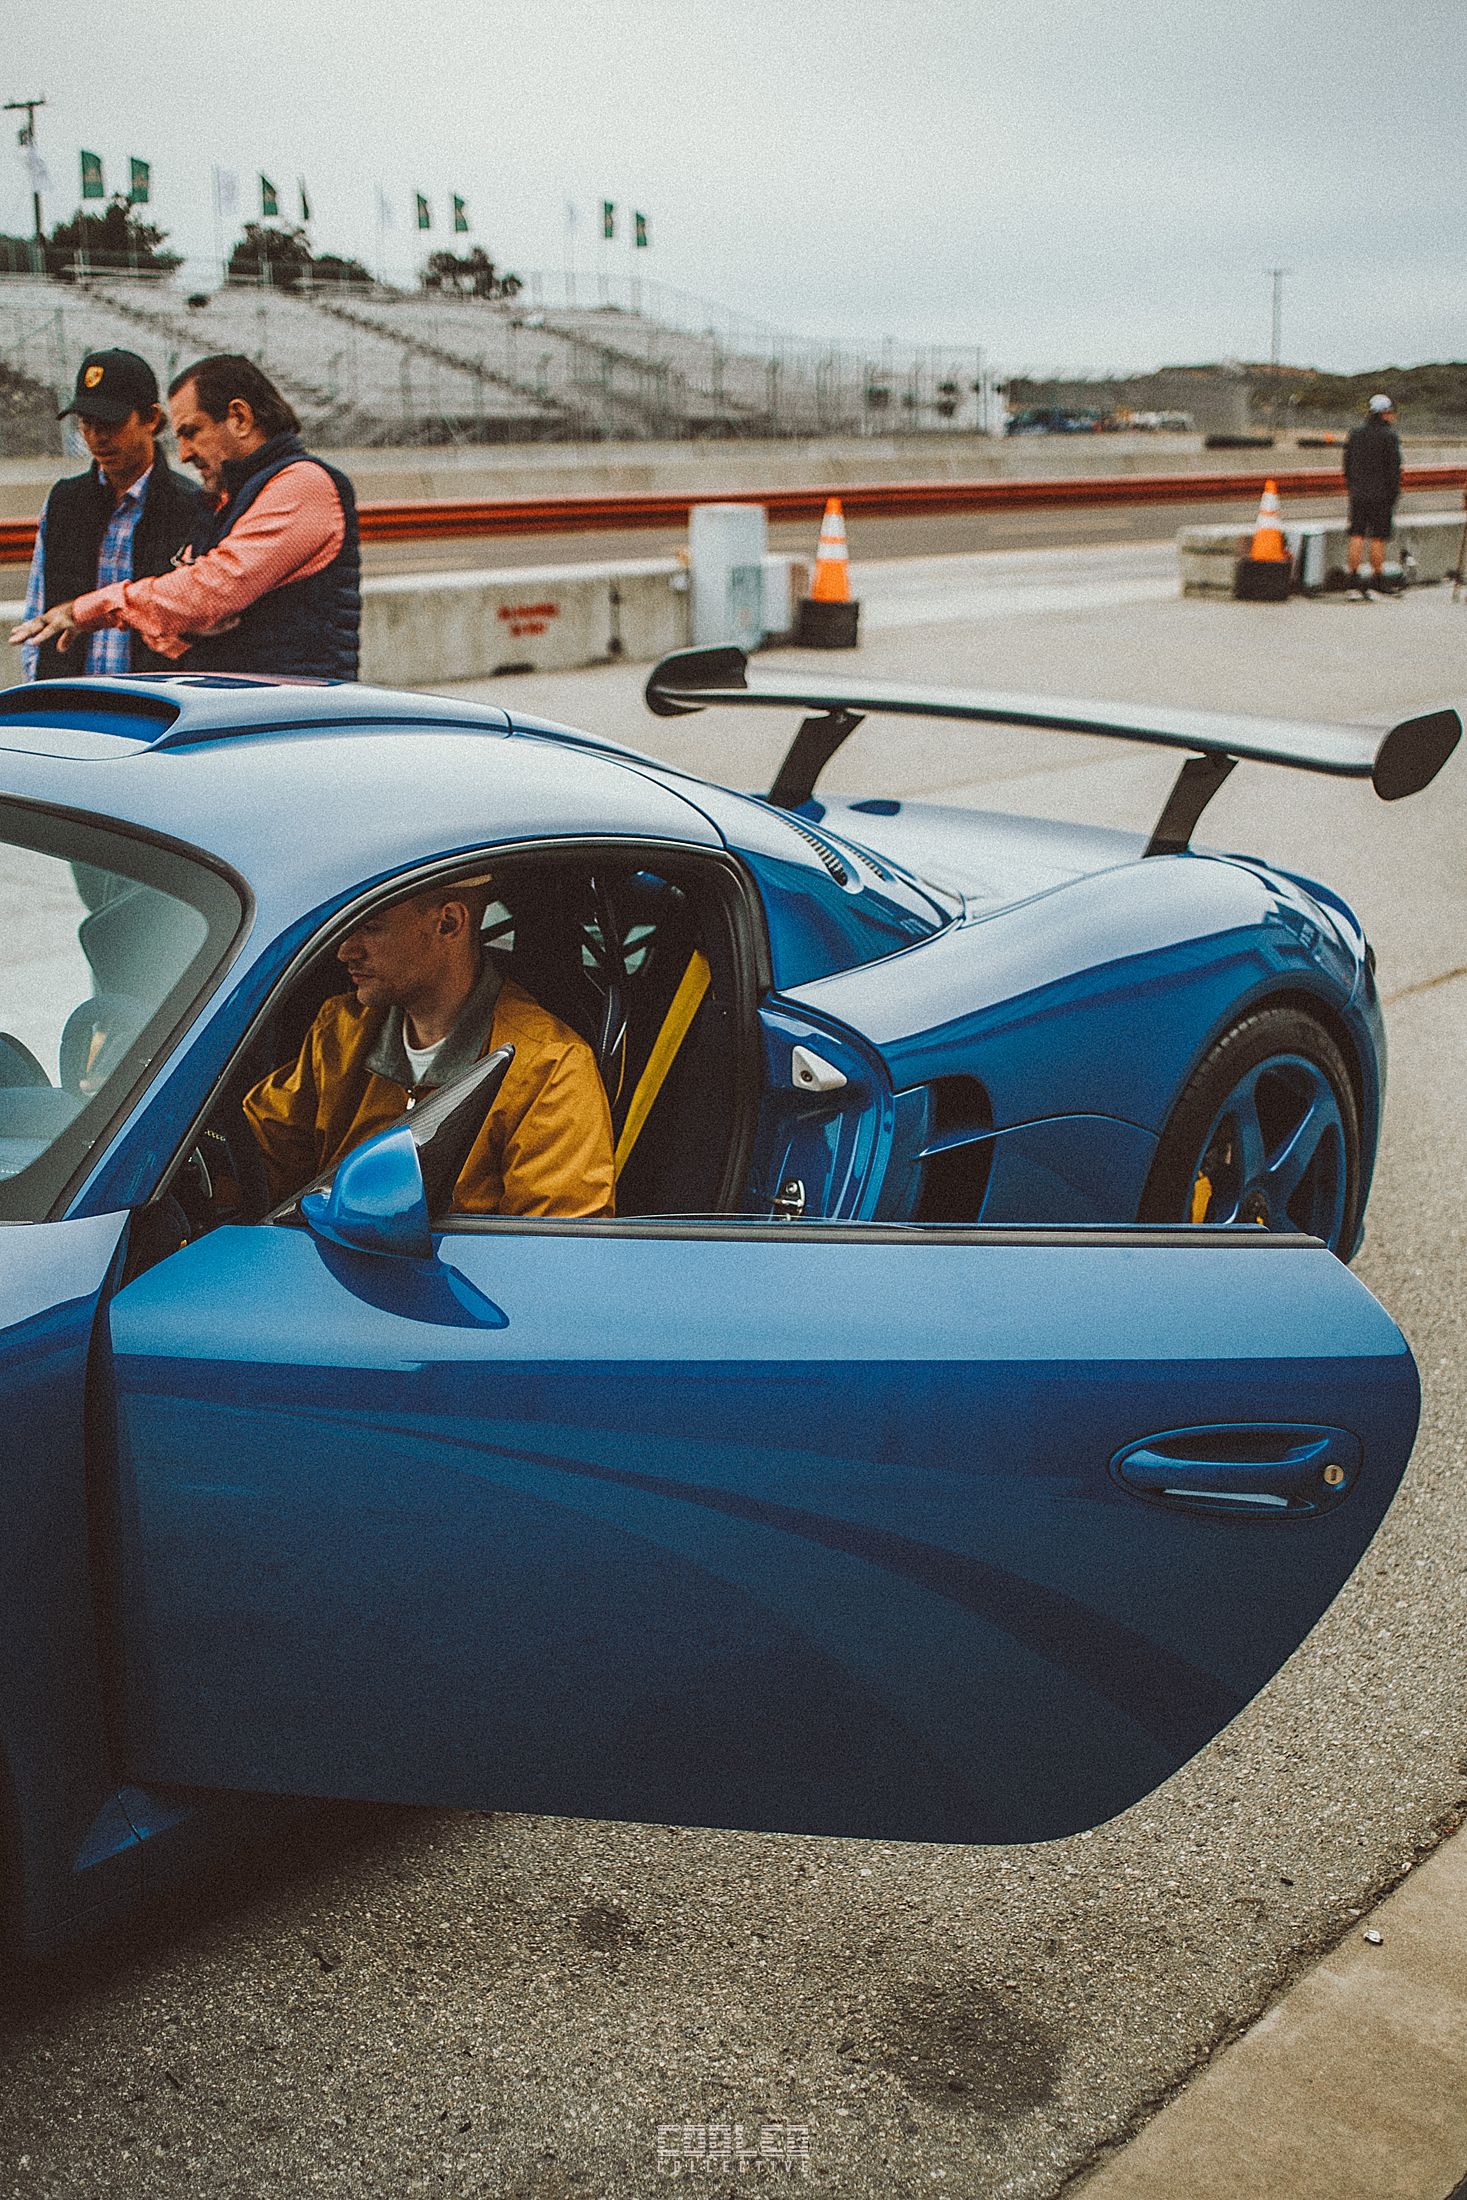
223	1177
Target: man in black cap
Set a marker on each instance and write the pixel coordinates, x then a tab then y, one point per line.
127	516
1373	479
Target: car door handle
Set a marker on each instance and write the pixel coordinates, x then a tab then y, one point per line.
1275	1471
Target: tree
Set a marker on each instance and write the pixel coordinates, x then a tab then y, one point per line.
470	274
277	256
334	267
283	257
118	239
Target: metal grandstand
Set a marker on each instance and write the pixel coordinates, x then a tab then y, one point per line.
559	361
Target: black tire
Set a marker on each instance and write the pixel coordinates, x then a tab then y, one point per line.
1287	1037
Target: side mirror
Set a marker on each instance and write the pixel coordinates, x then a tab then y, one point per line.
386	1195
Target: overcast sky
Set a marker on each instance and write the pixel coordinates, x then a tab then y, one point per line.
1065	182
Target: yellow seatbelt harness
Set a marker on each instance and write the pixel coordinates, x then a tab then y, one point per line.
683	1007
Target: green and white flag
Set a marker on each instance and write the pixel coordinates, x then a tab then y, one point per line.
269	200
92	184
140	182
639	222
608	217
425	212
460	217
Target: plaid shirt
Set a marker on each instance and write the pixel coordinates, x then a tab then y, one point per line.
110	650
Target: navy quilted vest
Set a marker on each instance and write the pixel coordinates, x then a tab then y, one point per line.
306	629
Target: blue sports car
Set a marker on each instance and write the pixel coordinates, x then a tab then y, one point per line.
932	1448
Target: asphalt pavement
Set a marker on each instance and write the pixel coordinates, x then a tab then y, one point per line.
947	534
530	2009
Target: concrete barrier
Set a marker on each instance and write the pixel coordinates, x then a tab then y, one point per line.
1207	555
420	629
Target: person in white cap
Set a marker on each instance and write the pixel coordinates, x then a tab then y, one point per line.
1373	479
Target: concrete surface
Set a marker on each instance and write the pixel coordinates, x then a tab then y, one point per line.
400	2003
1353	2087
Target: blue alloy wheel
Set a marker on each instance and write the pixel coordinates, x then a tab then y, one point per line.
1267	1132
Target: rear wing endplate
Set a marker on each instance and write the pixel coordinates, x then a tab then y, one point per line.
1398	761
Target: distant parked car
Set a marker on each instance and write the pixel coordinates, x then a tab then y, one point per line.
1052	420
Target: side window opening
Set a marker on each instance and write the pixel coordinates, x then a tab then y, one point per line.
642	963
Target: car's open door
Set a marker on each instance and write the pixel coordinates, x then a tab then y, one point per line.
937	1535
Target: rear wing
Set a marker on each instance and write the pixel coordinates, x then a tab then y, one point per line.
1398	761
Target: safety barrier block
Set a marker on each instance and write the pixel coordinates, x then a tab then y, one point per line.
1208	555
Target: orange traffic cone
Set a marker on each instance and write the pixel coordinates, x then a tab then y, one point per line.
832	582
829	616
1268	532
1266	574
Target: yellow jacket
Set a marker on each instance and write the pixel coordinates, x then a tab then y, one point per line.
545	1148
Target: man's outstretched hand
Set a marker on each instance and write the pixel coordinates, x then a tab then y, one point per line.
57	625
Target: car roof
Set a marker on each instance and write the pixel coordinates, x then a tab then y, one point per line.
308	790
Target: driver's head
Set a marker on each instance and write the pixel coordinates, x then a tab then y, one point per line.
416	949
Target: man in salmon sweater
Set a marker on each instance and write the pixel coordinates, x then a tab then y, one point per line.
271	580
426	1004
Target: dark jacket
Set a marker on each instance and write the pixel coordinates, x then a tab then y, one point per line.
304	629
77	512
1373	460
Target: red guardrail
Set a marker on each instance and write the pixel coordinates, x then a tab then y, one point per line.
445	518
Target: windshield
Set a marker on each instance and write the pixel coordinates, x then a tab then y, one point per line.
109	940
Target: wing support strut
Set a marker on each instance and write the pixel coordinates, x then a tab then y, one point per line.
809	753
1192	789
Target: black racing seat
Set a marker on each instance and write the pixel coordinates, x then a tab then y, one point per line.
18	1066
608	953
676	1163
561	924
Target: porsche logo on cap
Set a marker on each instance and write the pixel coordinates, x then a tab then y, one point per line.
92	377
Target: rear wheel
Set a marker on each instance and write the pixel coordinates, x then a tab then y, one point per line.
1267	1131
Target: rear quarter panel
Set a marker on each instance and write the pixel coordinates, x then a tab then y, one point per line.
1096	999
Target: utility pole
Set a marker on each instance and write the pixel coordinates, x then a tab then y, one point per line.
1275	342
26	137
1276	274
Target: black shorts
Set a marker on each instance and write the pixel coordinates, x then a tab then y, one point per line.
1371	516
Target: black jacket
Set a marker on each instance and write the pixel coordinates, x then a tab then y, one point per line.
1373	460
307	629
77	512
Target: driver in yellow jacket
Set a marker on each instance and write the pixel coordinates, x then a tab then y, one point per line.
425	1005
